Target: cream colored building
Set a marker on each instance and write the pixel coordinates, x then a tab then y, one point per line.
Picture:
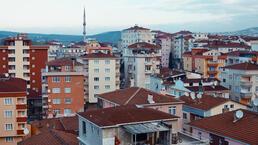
13	111
134	35
102	74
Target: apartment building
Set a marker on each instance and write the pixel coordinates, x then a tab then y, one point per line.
165	42
135	34
227	46
236	57
94	46
237	127
62	88
21	59
204	61
127	125
242	80
102	74
140	61
13	110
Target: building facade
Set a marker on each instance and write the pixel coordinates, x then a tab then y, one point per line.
13	110
141	60
63	88
102	74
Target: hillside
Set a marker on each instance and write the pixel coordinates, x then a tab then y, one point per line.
249	31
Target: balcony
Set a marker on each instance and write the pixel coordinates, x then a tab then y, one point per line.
212	63
212	72
21	106
21	119
246	83
20	132
245	95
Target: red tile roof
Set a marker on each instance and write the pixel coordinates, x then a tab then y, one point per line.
12	86
51	137
205	80
208	88
242	53
220	44
166	72
144	45
243	66
135	28
206	103
137	96
67	124
65	61
99	55
122	115
244	130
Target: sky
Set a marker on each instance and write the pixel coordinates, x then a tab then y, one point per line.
65	16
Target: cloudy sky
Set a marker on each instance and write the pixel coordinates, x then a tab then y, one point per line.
65	16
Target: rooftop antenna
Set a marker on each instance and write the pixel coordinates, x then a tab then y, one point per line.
239	114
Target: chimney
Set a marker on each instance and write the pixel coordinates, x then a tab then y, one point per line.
150	99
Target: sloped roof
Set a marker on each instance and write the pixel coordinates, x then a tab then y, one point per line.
243	66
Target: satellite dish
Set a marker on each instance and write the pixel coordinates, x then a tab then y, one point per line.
26	131
239	114
215	83
186	94
255	101
199	96
192	94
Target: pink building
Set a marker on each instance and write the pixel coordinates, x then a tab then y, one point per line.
228	129
143	97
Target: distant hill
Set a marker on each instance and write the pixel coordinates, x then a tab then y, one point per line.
249	32
112	37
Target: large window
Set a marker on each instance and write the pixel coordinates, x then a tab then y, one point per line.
96	87
96	61
96	79
172	110
67	111
107	78
56	79
57	111
56	101
107	70
56	90
83	127
68	90
8	114
107	87
67	79
68	101
8	139
8	127
8	101
96	70
107	61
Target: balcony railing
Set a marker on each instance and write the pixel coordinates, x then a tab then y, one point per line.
246	95
21	119
21	106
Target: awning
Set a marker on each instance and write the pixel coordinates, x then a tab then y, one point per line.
145	128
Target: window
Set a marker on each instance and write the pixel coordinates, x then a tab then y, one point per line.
96	70
67	79
225	106
8	113
57	111
67	90
8	127
232	106
107	86
68	100
56	101
67	68
107	70
96	87
96	61
96	79
184	115
8	139
107	61
172	110
83	127
56	90
67	111
224	80
107	78
55	79
8	101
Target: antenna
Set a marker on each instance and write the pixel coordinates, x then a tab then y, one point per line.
192	94
26	131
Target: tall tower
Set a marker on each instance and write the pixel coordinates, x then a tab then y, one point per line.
84	25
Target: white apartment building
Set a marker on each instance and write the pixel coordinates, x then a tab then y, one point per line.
134	35
166	45
102	74
242	80
141	60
